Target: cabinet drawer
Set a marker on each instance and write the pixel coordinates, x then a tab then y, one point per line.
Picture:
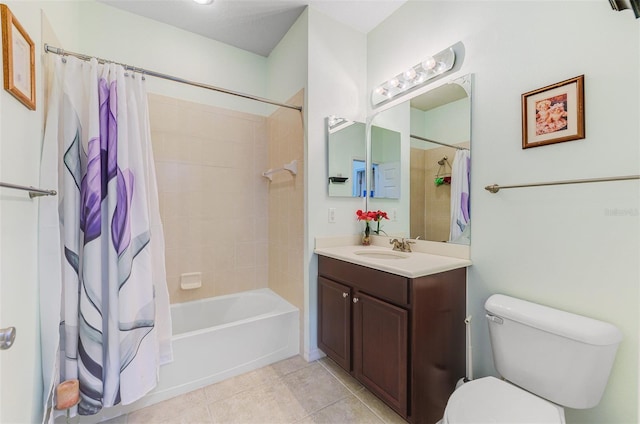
391	287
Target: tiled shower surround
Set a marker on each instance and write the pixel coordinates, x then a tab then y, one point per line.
431	204
286	205
221	217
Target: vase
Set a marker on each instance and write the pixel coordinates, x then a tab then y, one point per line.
366	236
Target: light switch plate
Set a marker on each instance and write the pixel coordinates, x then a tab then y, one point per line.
332	215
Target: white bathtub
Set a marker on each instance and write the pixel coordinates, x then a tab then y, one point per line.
217	338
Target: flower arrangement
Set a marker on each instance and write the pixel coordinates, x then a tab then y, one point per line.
370	216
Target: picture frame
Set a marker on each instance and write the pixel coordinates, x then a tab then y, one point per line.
620	5
553	114
18	55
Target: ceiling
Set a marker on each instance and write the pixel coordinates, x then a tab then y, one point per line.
439	96
255	25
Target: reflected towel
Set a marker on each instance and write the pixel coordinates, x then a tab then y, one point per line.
460	193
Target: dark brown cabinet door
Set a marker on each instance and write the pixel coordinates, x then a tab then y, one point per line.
334	321
380	345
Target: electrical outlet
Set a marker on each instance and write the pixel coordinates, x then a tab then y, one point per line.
332	215
394	214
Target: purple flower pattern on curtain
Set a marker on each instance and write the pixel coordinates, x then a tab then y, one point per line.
104	303
114	300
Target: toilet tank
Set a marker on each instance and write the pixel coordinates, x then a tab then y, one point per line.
560	356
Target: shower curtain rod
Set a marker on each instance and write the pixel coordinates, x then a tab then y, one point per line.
62	52
437	142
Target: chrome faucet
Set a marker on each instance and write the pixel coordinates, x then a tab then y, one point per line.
403	245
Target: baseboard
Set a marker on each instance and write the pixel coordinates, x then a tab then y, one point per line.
313	355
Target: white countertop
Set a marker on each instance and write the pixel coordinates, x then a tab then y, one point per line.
412	265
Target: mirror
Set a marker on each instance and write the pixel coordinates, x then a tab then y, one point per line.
433	126
347	160
385	163
347	153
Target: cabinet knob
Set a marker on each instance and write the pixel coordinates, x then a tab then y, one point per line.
345	294
355	300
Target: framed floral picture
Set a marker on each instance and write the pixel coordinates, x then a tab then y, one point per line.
553	114
18	55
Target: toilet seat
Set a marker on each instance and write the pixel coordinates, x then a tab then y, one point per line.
490	400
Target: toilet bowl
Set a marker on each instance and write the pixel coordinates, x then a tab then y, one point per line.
490	400
550	359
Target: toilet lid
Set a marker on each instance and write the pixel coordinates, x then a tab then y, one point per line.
489	400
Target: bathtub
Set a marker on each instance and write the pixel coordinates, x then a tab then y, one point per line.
220	337
217	338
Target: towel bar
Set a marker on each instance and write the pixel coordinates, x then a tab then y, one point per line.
494	188
33	192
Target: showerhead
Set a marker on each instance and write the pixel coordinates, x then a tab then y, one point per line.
442	161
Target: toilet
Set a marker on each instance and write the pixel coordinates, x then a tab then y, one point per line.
548	359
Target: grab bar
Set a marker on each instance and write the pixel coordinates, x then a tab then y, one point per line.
33	192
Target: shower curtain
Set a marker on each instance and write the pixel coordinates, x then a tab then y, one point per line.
459	194
103	295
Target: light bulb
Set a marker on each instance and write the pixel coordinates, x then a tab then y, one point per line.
396	82
429	63
381	90
410	74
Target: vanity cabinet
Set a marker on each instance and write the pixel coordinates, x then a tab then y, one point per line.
403	338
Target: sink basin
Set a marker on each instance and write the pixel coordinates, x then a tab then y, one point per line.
382	254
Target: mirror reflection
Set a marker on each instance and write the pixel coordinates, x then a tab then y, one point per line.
385	163
436	134
347	160
347	157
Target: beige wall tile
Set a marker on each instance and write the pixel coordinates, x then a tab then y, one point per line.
430	204
209	163
221	217
286	206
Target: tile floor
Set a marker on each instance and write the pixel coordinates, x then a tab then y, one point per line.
290	391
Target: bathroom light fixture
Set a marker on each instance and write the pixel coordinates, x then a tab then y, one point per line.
203	1
414	77
336	123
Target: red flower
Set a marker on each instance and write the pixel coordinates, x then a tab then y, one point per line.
372	216
381	215
363	216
